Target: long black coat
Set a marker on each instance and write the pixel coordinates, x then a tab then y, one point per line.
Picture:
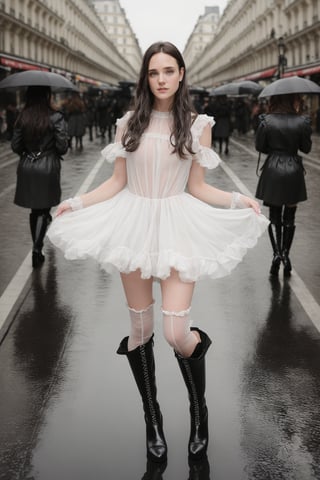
222	117
281	136
38	172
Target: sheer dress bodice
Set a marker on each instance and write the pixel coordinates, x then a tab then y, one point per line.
153	171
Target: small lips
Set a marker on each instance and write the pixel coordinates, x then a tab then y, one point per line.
162	90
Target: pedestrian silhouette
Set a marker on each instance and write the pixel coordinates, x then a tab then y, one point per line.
39	138
222	129
281	133
75	110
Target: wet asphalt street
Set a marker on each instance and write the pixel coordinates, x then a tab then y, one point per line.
69	408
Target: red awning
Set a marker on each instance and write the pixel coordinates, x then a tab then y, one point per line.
21	65
269	72
302	72
82	78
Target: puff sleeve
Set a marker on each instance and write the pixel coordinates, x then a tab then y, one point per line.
116	149
205	156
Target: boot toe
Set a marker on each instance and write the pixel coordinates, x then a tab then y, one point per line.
156	444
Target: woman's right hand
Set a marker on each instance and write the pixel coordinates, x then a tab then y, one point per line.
63	208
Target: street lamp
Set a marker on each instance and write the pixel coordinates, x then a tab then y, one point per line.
282	59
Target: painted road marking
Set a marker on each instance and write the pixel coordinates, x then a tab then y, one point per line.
7	190
20	279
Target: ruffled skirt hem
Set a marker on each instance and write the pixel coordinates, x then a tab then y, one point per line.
155	236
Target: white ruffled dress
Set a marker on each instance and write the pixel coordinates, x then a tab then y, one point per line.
153	224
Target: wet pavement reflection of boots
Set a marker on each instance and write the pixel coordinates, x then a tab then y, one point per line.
199	470
154	470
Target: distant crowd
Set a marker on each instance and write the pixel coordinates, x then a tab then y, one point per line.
95	112
238	115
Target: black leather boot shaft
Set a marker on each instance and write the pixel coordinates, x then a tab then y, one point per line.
141	361
194	375
275	235
33	222
38	227
288	234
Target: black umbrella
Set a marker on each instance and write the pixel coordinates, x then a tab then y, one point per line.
285	86
193	90
245	87
38	78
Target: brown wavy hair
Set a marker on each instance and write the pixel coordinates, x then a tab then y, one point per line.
75	103
34	118
182	108
285	103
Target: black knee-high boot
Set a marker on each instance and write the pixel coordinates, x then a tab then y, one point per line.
38	226
275	235
141	361
33	222
288	234
193	372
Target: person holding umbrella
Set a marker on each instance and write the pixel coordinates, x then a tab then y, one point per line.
40	137
281	133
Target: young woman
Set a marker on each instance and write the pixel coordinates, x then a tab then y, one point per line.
40	138
142	222
280	134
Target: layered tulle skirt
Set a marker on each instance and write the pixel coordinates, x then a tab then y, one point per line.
130	232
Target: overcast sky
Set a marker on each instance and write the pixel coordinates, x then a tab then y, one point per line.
170	20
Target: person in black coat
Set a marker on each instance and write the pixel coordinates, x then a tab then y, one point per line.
280	134
76	119
40	137
105	115
222	117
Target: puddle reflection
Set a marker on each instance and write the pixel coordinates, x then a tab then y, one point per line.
281	388
154	470
39	341
199	470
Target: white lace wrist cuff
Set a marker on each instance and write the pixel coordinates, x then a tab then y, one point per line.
236	200
75	203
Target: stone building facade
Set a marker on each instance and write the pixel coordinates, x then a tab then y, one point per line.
64	36
255	39
202	34
119	30
70	37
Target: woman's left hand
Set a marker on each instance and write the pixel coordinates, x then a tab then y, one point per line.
247	202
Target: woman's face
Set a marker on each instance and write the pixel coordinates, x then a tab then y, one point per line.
164	76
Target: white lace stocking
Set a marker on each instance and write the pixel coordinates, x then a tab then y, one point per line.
176	329
141	326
